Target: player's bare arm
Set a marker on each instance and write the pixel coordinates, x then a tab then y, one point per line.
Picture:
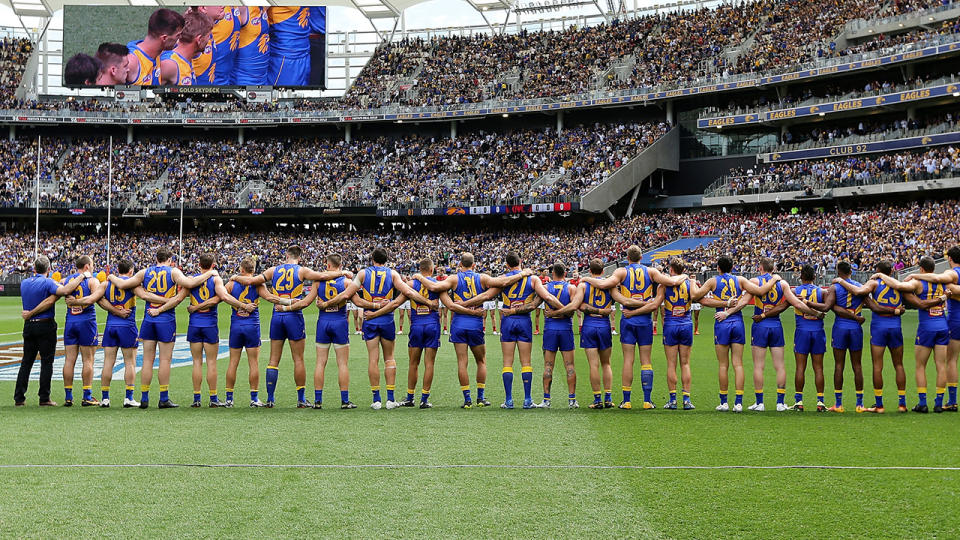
224	295
410	293
873	306
753	286
829	300
44	305
609	282
97	289
129	283
862	290
897	285
665	279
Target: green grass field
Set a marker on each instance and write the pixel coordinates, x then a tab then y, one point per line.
478	473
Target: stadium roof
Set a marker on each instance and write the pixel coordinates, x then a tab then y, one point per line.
371	9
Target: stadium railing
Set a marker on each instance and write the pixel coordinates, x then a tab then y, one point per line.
858	25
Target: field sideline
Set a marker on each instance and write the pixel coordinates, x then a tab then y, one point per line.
479	473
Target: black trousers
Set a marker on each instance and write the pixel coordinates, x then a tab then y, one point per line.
39	337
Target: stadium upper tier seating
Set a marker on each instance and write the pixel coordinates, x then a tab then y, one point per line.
480	166
674	47
901	234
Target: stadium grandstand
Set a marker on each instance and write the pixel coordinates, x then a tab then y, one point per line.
576	145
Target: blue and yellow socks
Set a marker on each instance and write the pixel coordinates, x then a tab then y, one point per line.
673	395
798	397
254	395
723	397
87	393
424	395
390	391
902	398
627	391
507	375
128	392
596	397
301	394
878	397
68	393
481	391
344	396
376	393
196	397
526	376
922	396
646	381
938	401
164	392
318	396
686	397
144	393
838	399
410	393
781	395
819	397
758	394
860	398
466	393
738	397
229	394
214	398
951	393
608	396
104	392
273	373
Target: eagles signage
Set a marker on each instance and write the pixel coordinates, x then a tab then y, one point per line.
906	96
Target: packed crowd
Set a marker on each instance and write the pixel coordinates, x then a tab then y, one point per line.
855	170
889	127
476	166
18	168
14	54
901	234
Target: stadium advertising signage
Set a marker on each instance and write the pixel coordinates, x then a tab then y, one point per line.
826	108
480	210
863	148
208	47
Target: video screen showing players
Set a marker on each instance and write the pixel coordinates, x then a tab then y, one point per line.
281	46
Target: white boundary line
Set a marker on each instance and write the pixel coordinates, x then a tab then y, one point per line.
464	466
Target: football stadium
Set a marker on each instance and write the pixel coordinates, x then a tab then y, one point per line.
480	268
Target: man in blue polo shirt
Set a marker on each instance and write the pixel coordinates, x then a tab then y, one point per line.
38	295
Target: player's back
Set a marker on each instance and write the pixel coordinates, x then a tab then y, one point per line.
517	294
561	290
378	287
158	280
598	298
248	295
727	287
886	296
287	284
468	286
804	292
328	290
637	284
848	301
953	305
766	302
121	299
422	314
79	313
677	305
198	295
934	317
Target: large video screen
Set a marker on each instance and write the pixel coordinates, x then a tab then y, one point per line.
282	46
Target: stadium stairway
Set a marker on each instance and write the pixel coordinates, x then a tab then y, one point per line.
677	247
663	154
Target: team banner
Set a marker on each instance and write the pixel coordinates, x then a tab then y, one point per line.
863	148
836	106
